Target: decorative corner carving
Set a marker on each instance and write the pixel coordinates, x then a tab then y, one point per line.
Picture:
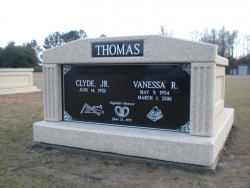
66	69
185	127
187	68
67	117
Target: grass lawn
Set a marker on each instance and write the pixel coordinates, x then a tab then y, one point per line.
23	165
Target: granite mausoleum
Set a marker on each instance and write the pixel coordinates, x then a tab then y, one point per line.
146	96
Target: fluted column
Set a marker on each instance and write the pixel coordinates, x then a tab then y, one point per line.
52	92
202	98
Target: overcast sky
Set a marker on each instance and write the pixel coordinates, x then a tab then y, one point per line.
25	20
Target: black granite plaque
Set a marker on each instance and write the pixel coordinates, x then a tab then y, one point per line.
148	96
117	49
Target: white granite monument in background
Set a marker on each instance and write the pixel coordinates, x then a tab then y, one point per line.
209	122
17	80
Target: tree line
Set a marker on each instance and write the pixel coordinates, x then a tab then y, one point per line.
27	54
22	56
57	38
229	43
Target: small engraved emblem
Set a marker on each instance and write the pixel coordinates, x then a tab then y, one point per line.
154	114
86	109
121	111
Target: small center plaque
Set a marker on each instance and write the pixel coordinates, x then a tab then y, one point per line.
145	96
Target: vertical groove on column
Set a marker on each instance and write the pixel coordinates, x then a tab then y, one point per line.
209	101
49	94
52	106
201	112
202	102
195	89
53	113
45	86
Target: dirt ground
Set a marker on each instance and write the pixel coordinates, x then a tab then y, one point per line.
23	164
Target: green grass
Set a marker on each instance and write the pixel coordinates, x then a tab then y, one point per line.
22	166
237	96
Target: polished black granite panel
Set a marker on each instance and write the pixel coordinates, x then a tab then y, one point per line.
145	96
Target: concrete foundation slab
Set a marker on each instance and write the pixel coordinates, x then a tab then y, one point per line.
130	159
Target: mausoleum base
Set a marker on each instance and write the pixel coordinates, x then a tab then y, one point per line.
153	144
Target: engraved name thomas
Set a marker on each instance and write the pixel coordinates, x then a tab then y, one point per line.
117	49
